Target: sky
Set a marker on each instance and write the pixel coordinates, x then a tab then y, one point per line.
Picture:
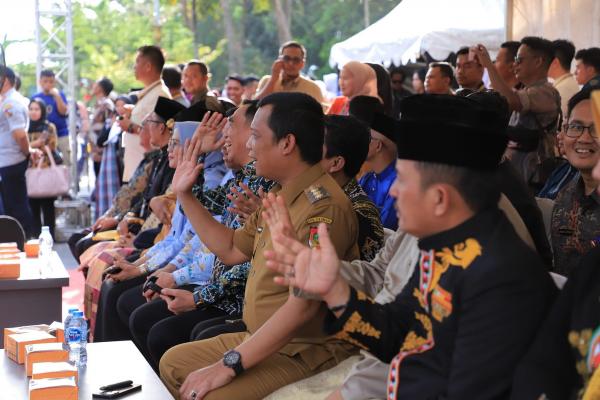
18	23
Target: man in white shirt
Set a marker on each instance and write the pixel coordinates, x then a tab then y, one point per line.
148	67
560	72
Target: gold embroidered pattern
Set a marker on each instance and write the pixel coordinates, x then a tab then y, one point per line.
361	296
355	324
414	341
461	256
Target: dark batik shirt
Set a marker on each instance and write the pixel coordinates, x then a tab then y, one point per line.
575	226
563	361
465	318
370	229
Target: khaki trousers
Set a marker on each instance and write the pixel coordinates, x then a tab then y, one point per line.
274	372
64	146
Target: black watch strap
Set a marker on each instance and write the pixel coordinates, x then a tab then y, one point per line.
233	360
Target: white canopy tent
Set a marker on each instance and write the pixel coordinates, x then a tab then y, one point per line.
416	26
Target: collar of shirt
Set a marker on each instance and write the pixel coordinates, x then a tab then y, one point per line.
148	88
591	200
200	96
558	80
302	182
478	226
387	172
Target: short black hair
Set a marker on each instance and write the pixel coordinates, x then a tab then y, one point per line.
249	79
421	73
348	137
204	70
512	47
47	73
462	51
396	71
9	74
154	55
540	47
590	57
293	43
479	189
106	85
564	50
445	69
171	75
584	94
300	115
236	78
251	108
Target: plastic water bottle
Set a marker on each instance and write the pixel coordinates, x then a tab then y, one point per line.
67	322
46	243
77	339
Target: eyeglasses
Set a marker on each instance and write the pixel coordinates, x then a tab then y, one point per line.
520	59
172	144
575	130
293	60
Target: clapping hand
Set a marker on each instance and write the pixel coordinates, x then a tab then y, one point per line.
245	202
188	169
211	125
315	270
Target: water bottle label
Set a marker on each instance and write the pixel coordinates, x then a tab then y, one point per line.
73	335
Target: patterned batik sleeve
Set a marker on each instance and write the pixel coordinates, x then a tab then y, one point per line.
122	202
230	286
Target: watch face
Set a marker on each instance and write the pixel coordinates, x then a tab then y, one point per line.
231	358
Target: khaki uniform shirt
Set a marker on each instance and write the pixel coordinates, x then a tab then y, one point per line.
311	198
566	86
134	152
300	84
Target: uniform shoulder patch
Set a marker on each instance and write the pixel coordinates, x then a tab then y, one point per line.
316	193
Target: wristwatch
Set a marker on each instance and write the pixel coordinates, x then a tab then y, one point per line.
233	360
197	299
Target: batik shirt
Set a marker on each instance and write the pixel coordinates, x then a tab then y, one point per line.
575	225
370	230
464	319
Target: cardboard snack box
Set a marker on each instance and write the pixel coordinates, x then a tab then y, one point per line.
53	389
43	370
16	344
8	245
24	329
10	268
44	353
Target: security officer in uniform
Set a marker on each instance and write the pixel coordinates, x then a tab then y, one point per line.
284	341
14	149
478	293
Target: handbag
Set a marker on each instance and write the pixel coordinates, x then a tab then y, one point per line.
52	181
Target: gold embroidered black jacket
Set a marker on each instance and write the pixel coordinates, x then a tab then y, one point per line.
465	318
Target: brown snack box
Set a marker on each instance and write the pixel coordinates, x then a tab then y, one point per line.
8	245
16	344
32	248
10	268
44	353
43	370
23	329
53	389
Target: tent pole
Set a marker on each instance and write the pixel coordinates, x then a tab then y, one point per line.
508	25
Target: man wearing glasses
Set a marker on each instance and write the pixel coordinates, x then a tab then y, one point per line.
285	74
575	224
535	107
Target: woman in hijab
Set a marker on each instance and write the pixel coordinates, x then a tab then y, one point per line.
42	134
356	79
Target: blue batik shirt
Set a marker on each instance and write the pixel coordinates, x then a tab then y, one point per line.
377	187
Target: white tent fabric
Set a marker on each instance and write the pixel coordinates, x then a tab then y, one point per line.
415	26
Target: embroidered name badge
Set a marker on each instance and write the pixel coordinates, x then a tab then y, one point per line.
316	220
441	303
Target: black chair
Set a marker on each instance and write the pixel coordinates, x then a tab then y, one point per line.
11	231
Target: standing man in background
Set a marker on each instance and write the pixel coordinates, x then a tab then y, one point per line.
14	150
56	110
148	67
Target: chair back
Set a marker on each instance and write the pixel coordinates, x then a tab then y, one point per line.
11	231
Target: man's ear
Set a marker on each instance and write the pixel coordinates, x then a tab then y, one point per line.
338	164
441	199
287	144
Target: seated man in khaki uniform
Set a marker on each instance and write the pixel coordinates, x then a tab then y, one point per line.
284	341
